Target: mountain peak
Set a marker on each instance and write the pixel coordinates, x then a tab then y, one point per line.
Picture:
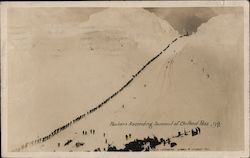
137	24
136	18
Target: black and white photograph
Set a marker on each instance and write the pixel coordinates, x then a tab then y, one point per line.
116	77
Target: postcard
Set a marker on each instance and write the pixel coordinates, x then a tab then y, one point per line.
125	79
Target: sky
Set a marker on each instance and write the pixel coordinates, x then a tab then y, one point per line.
189	19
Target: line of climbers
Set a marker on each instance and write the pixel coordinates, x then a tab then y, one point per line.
56	131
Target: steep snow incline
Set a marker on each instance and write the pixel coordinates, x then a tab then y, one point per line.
74	67
198	78
116	107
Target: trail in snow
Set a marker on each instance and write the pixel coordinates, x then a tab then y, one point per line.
60	129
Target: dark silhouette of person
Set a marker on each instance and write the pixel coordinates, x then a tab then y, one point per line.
161	140
194	132
164	142
168	141
172	144
179	134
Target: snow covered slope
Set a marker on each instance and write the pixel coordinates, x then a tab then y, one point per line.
198	78
65	69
